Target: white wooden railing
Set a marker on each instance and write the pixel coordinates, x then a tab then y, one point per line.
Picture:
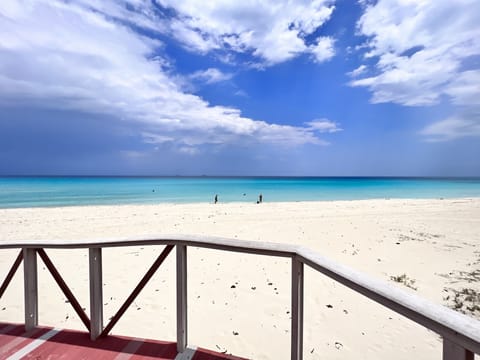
460	333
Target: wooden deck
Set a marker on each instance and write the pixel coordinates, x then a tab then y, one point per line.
55	344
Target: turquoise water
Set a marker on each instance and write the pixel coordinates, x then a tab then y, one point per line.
18	192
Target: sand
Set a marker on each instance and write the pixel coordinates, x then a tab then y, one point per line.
240	303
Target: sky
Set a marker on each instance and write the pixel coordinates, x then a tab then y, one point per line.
267	88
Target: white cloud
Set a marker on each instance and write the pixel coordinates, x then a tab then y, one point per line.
464	92
444	32
323	50
188	150
421	49
73	56
192	38
358	71
323	126
452	128
241	93
271	30
211	76
465	88
150	138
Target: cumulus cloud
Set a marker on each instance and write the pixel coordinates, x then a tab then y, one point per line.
324	126
86	56
421	49
271	30
211	76
323	50
394	27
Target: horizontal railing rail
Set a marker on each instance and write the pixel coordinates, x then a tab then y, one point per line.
461	333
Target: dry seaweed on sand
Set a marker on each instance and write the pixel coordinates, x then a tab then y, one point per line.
465	300
405	280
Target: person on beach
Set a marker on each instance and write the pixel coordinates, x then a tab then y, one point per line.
260	198
216	198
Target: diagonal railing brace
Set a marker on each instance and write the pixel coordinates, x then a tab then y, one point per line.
161	258
66	290
12	272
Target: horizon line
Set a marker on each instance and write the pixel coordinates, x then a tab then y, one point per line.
245	176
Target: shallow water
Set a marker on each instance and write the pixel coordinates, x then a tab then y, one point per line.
70	191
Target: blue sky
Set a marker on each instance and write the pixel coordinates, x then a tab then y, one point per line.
163	87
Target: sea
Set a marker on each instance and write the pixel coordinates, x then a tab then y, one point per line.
22	192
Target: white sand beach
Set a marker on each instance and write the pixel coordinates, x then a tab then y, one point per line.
240	303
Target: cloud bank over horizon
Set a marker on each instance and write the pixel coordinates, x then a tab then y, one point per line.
300	86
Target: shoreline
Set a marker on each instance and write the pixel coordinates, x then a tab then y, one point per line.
429	247
244	202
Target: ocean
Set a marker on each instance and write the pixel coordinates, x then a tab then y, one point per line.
20	192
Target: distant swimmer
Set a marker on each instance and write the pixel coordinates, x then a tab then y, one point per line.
216	198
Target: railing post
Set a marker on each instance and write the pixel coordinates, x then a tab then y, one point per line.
181	298
30	288
96	293
452	351
297	309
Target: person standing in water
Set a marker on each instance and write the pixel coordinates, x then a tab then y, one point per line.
216	198
260	198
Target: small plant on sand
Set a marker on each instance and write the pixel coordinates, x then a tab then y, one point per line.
405	280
